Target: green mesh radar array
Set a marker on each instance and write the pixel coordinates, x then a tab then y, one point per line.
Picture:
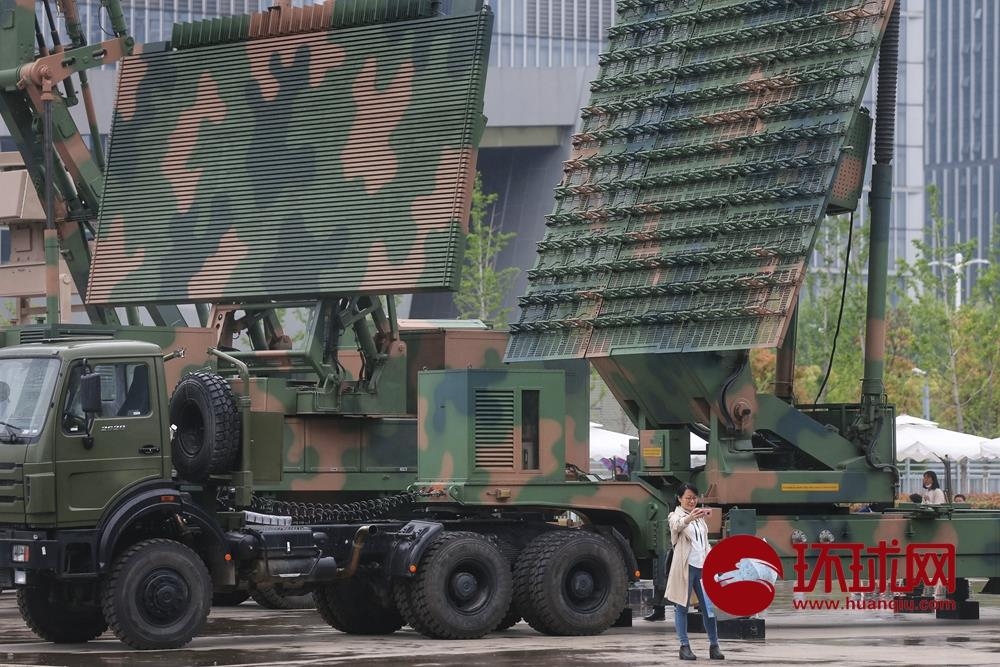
718	135
298	152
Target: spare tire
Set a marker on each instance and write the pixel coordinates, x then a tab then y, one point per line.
207	437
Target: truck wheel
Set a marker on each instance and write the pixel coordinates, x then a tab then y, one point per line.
570	583
353	606
207	439
404	604
230	598
462	588
511	618
276	597
51	612
158	595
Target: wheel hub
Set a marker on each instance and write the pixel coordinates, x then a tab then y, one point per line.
581	585
464	586
190	429
163	596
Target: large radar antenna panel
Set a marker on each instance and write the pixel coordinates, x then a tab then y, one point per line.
295	153
718	135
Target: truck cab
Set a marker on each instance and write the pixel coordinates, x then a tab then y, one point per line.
59	465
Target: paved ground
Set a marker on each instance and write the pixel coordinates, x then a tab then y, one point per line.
249	635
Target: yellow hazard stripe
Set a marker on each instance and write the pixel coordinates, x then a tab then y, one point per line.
805	486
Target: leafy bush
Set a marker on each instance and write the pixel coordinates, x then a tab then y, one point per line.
984	501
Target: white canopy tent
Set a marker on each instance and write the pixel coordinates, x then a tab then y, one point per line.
991	449
923	440
920	444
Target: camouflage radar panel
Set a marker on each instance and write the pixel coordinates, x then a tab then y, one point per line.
298	152
718	135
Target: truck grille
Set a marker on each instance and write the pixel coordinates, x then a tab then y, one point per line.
11	492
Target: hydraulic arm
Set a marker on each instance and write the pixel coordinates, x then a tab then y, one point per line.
40	80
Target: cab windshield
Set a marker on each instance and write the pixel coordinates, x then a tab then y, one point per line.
26	386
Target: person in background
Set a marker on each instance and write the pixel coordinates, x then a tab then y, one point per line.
959	498
689	537
932	495
916	498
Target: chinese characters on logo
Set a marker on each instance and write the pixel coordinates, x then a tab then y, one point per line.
875	569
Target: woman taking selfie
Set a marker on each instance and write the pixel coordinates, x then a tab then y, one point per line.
689	537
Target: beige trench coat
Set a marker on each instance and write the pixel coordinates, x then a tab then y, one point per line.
677	578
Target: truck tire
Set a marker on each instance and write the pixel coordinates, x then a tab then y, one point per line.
404	604
353	606
570	583
230	598
50	611
207	440
276	597
462	588
510	619
158	595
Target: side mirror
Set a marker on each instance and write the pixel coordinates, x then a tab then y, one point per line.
90	393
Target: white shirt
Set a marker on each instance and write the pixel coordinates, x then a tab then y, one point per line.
933	497
697	534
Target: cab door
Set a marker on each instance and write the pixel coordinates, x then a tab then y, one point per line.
125	446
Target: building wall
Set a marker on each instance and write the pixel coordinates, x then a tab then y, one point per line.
963	119
523	179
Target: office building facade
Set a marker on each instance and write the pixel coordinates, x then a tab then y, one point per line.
962	139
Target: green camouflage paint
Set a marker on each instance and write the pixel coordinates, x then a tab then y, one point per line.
717	137
401	102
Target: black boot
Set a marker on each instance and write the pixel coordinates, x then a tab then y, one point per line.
658	614
715	653
686	653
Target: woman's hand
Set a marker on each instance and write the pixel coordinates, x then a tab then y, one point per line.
699	512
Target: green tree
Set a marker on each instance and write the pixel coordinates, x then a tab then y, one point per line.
820	312
483	286
941	338
958	350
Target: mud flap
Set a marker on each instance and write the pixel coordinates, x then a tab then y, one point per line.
409	546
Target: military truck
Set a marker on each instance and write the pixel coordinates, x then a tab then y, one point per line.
148	465
400	475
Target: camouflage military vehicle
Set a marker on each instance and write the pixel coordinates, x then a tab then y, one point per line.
718	136
150	465
406	475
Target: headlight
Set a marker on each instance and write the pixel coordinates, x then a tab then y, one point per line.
21	553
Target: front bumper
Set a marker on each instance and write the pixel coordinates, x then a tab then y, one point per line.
43	555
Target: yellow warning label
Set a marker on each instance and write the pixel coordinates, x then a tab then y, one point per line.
652	452
806	486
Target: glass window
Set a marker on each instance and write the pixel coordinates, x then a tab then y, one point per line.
124	393
26	386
